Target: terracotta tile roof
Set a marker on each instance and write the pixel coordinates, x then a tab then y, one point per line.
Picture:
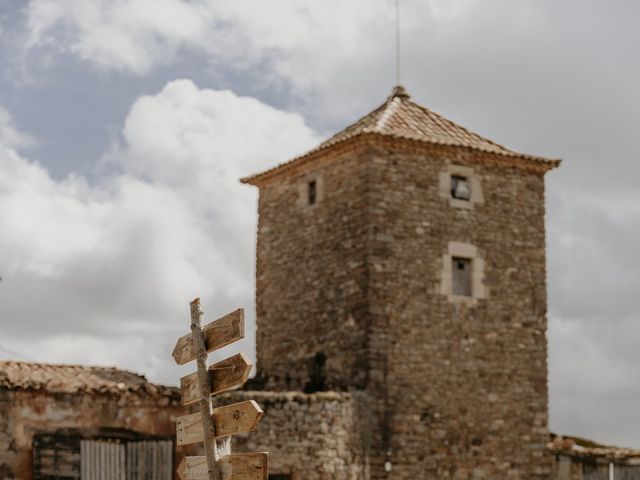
400	118
580	447
76	378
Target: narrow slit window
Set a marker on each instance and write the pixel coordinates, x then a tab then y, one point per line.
461	270
460	187
312	192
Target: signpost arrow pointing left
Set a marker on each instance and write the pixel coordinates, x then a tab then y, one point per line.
217	334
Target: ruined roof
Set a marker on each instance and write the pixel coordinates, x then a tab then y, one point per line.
50	378
580	447
400	118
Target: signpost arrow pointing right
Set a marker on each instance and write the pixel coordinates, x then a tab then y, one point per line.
228	374
228	420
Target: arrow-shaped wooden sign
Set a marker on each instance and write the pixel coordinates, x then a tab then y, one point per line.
217	334
242	466
228	420
228	374
222	422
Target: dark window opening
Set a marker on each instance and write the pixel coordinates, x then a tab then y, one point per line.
312	192
461	270
317	375
460	188
280	477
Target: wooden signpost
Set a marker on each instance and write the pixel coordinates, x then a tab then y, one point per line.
226	375
245	466
211	424
237	418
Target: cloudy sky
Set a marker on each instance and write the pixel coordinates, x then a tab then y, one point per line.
125	124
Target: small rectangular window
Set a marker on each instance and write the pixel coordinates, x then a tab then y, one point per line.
312	192
280	477
460	188
461	270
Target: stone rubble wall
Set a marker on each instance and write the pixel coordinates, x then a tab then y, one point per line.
8	451
311	281
350	297
317	436
462	383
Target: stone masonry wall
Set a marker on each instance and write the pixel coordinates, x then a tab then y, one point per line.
24	413
458	389
464	389
311	281
7	448
308	436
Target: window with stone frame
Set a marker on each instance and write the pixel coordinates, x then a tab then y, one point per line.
461	276
460	187
312	192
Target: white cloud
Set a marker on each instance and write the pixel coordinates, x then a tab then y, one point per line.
530	74
298	44
10	135
139	35
115	263
185	135
126	35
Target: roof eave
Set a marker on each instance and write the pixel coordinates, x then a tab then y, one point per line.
542	164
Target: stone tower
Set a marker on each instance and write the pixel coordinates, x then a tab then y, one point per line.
403	260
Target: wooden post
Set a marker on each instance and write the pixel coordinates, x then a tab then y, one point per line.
208	426
225	375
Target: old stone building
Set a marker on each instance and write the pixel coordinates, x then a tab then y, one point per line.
69	422
401	329
402	262
580	459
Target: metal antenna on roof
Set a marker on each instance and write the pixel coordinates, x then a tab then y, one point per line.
397	5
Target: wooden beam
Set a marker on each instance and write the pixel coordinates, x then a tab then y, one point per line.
200	354
228	420
217	334
228	374
238	466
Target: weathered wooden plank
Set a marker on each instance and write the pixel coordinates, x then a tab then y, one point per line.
121	462
83	460
200	354
130	469
189	429
228	374
168	460
239	466
101	458
217	334
228	420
